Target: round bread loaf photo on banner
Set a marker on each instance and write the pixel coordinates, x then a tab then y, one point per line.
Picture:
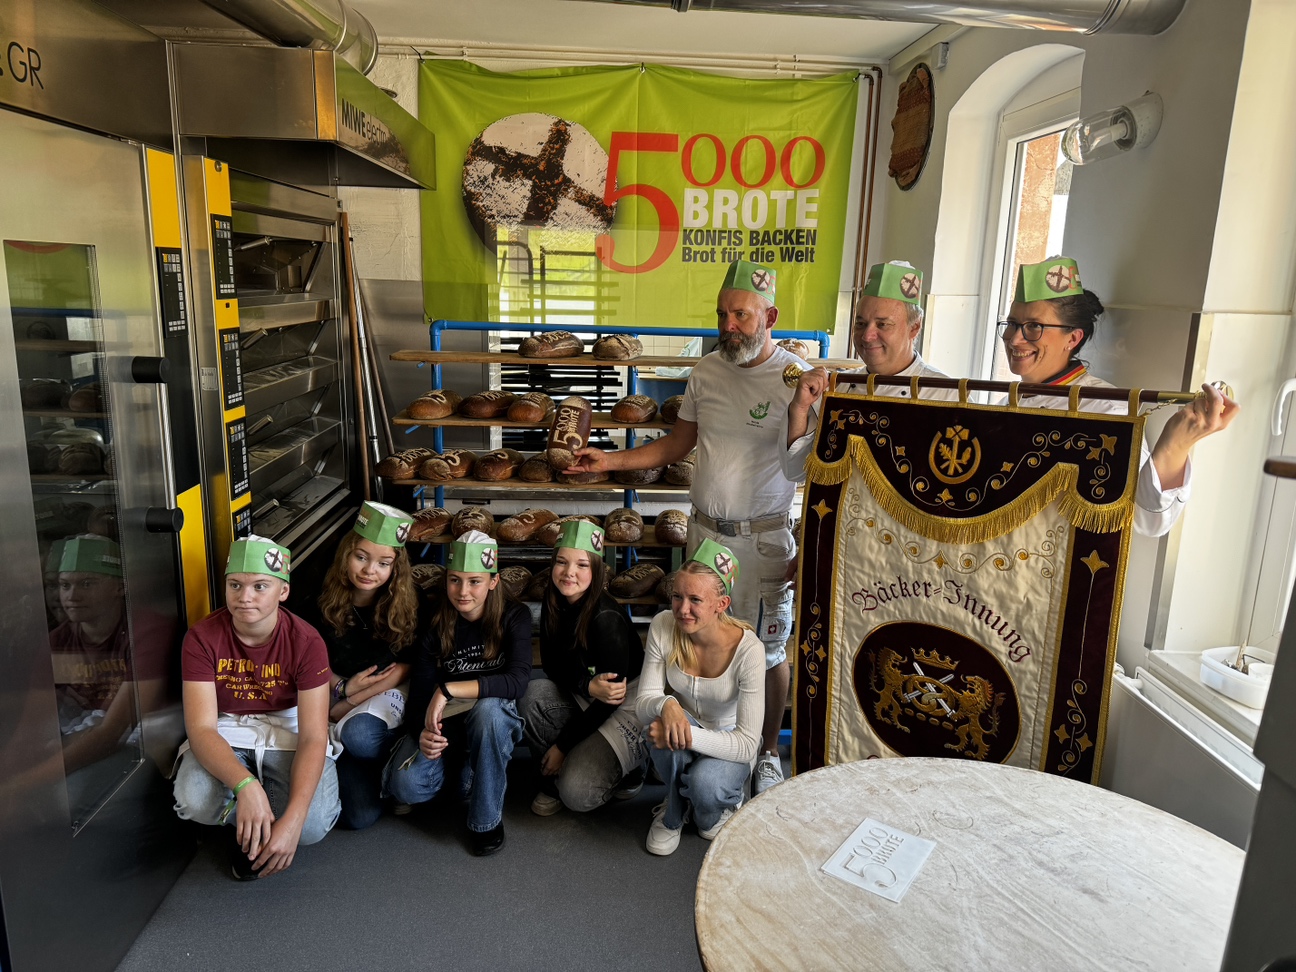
538	171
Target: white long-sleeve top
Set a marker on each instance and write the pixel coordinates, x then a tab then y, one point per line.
729	708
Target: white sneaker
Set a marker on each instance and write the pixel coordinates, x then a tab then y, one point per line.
545	805
663	840
710	832
768	773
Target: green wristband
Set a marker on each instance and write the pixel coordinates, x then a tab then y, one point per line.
243	783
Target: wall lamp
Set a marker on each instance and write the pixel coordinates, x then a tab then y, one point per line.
1114	130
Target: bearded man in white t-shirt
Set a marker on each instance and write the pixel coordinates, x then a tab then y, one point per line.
734	412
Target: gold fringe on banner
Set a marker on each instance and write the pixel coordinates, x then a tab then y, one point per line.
1058	483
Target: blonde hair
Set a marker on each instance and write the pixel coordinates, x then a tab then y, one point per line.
682	654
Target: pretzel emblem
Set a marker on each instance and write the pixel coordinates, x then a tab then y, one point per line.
488	558
909	285
596	540
274	559
724	565
402	532
761	280
1061	278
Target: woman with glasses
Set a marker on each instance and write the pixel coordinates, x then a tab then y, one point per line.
1051	320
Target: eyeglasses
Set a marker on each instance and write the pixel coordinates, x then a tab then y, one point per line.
1030	330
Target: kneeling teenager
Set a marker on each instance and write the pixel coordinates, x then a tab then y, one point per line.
256	703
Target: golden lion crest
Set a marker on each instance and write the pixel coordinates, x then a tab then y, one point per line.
932	698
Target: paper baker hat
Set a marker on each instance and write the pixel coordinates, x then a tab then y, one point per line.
580	535
257	555
89	554
474	553
896	281
750	276
720	559
1048	280
383	524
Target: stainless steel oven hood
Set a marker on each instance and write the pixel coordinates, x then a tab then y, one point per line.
301	116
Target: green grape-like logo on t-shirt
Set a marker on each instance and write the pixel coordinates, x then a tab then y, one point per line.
760	411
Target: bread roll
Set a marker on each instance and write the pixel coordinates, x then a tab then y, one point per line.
531	407
681	473
487	404
638	477
617	347
404	464
430	523
624	525
429	576
498	465
451	464
514	580
537	469
472	518
435	404
525	525
570	431
87	398
535	590
670	409
672	527
551	344
799	348
583	478
81	459
634	408
637	581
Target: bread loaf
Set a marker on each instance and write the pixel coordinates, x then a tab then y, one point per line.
472	518
539	583
681	473
44	393
582	478
634	408
87	398
666	587
451	464
570	431
524	526
80	459
624	525
497	465
551	344
404	464
638	477
537	469
487	404
429	576
514	580
637	581
799	348
42	458
670	409
617	347
435	404
531	407
672	527
430	523
548	534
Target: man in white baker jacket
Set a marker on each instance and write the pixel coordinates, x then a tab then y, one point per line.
734	413
888	317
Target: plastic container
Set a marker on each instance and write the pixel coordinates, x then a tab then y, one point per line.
1249	689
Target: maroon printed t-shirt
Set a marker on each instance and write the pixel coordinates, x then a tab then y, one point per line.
255	679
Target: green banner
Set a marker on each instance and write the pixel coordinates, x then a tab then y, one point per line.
618	195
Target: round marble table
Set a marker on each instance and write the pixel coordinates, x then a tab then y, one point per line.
1030	872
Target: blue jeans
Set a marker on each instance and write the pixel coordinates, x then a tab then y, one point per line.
486	735
711	785
368	742
202	798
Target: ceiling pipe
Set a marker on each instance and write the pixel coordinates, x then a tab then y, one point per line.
322	25
1077	16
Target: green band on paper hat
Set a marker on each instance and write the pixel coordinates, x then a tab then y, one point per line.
474	553
750	276
895	281
720	559
54	557
383	524
581	535
89	554
257	555
1048	280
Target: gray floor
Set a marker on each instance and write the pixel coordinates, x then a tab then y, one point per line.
567	892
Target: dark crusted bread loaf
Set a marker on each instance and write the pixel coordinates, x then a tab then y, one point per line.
429	576
514	580
487	404
87	398
531	407
539	583
672	527
670	409
537	469
42	457
638	477
430	523
623	525
570	431
617	347
80	458
472	518
666	587
525	525
681	473
404	464
435	404
497	465
582	478
551	344
44	393
634	408
451	464
637	581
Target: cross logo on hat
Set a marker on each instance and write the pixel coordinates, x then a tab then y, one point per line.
723	564
909	285
402	532
1060	278
596	540
274	559
760	279
488	558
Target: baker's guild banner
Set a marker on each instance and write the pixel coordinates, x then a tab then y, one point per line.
617	195
960	582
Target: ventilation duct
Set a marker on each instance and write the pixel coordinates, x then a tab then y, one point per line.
1079	16
322	25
